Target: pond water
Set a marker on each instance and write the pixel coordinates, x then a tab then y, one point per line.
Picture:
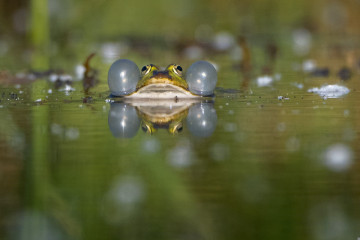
272	157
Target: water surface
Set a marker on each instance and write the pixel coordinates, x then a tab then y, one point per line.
280	162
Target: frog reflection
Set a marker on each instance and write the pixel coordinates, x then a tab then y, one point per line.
162	117
125	118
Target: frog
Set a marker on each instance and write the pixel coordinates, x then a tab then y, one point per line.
125	80
152	116
173	123
157	83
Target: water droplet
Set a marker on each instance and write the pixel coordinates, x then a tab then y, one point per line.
264	81
151	145
219	151
338	157
181	156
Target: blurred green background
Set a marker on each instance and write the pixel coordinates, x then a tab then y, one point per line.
70	28
93	20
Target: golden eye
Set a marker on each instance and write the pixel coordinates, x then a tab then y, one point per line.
178	69
145	69
145	128
177	128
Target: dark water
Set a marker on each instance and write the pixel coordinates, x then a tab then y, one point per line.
277	162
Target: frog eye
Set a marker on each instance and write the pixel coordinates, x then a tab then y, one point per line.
145	69
178	69
180	128
147	128
144	128
176	129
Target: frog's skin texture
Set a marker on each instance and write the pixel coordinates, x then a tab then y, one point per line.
171	75
168	83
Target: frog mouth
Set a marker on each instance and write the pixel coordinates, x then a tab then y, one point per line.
162	91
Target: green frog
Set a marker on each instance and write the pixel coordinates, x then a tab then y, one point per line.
125	80
170	119
126	118
168	83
